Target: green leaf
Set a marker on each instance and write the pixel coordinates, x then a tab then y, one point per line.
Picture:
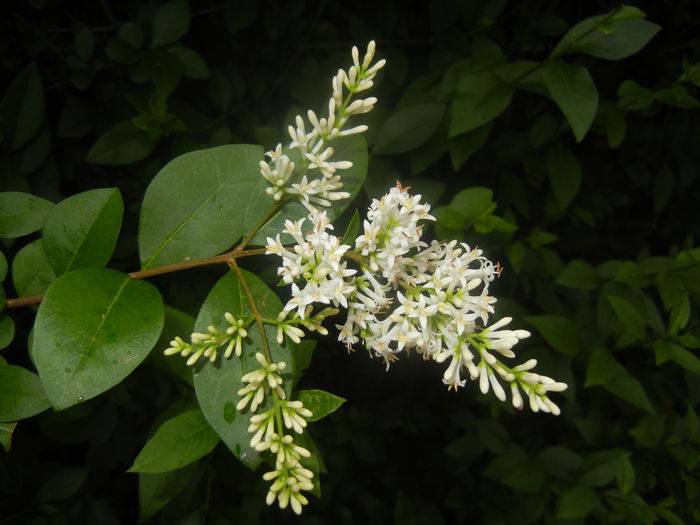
448	217
21	394
488	223
157	490
576	502
463	146
669	516
612	36
580	275
194	207
81	231
216	383
558	461
480	98
122	51
680	315
558	331
408	128
22	108
573	90
21	213
171	22
564	173
599	468
321	403
3	267
625	473
352	230
193	65
668	351
473	201
164	71
603	369
121	144
84	43
6	431
93	328
258	202
31	272
132	33
177	442
628	315
7	331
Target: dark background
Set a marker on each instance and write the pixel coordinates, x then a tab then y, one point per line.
402	449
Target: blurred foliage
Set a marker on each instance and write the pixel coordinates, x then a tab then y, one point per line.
569	156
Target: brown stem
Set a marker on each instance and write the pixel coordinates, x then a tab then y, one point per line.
143	274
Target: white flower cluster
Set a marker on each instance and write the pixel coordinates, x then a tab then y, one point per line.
408	294
289	477
313	147
208	344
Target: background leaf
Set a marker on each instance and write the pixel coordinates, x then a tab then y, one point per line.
576	503
409	128
171	22
558	331
573	90
121	144
22	108
81	231
157	490
31	272
21	394
93	328
609	37
320	403
480	98
194	207
21	213
177	442
564	172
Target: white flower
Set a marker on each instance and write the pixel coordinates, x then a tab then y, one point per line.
312	141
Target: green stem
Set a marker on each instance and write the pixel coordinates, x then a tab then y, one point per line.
253	308
263	339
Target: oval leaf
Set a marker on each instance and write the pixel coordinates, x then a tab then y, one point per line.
564	173
613	36
171	22
320	402
558	331
21	213
573	90
22	107
408	128
21	394
479	99
31	272
216	383
81	231
194	207
93	328
177	442
121	144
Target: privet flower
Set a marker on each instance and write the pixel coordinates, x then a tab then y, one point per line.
289	476
314	181
406	294
207	344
